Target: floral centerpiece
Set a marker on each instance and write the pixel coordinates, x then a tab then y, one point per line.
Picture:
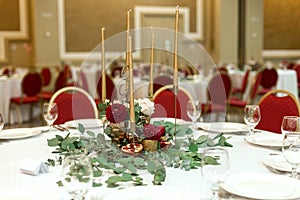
125	154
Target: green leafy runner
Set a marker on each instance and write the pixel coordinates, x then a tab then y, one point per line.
106	156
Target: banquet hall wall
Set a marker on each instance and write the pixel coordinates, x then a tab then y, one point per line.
220	30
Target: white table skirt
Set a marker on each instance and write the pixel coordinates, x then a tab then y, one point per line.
16	185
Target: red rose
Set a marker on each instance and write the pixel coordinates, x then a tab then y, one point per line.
152	132
116	113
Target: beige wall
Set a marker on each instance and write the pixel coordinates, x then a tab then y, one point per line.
41	47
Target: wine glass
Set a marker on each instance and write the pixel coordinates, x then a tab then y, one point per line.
50	113
215	173
2	121
251	116
77	175
291	142
194	111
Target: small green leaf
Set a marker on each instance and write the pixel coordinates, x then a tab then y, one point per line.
53	142
81	128
193	148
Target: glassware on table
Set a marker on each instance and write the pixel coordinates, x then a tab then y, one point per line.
251	117
215	174
77	175
194	111
50	113
290	129
2	121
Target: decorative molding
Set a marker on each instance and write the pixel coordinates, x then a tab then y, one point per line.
16	35
64	55
280	54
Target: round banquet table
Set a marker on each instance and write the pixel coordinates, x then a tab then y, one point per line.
244	158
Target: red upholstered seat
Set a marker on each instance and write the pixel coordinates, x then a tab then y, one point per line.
296	67
161	81
74	103
164	100
31	87
219	91
274	106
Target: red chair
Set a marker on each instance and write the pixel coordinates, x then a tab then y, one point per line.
241	90
82	81
219	91
274	106
61	82
31	87
164	100
110	87
238	103
161	81
268	80
46	76
74	103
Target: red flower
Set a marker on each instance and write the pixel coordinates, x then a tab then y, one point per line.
116	113
152	132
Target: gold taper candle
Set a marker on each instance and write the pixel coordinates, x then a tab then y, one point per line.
131	100
151	66
103	67
127	50
175	78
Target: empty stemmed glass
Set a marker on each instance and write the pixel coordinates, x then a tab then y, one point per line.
193	111
290	129
50	113
77	175
251	117
2	121
215	173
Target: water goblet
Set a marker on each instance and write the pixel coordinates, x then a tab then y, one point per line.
2	121
193	111
77	175
251	117
50	113
291	142
215	173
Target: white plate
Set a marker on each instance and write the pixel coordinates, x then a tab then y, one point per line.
166	119
151	193
87	123
278	162
224	127
266	139
18	133
263	186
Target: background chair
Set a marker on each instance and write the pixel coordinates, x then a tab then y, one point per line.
237	104
219	92
164	100
274	106
74	103
161	81
31	87
297	69
110	87
268	80
46	76
241	90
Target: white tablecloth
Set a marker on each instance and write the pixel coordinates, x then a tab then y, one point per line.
244	158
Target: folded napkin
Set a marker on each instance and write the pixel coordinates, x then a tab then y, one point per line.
34	167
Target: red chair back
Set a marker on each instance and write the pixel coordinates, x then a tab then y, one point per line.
219	88
61	81
164	100
46	76
274	106
110	87
254	87
32	84
74	103
161	81
269	78
245	81
297	69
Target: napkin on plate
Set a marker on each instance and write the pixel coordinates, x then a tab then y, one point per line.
34	167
